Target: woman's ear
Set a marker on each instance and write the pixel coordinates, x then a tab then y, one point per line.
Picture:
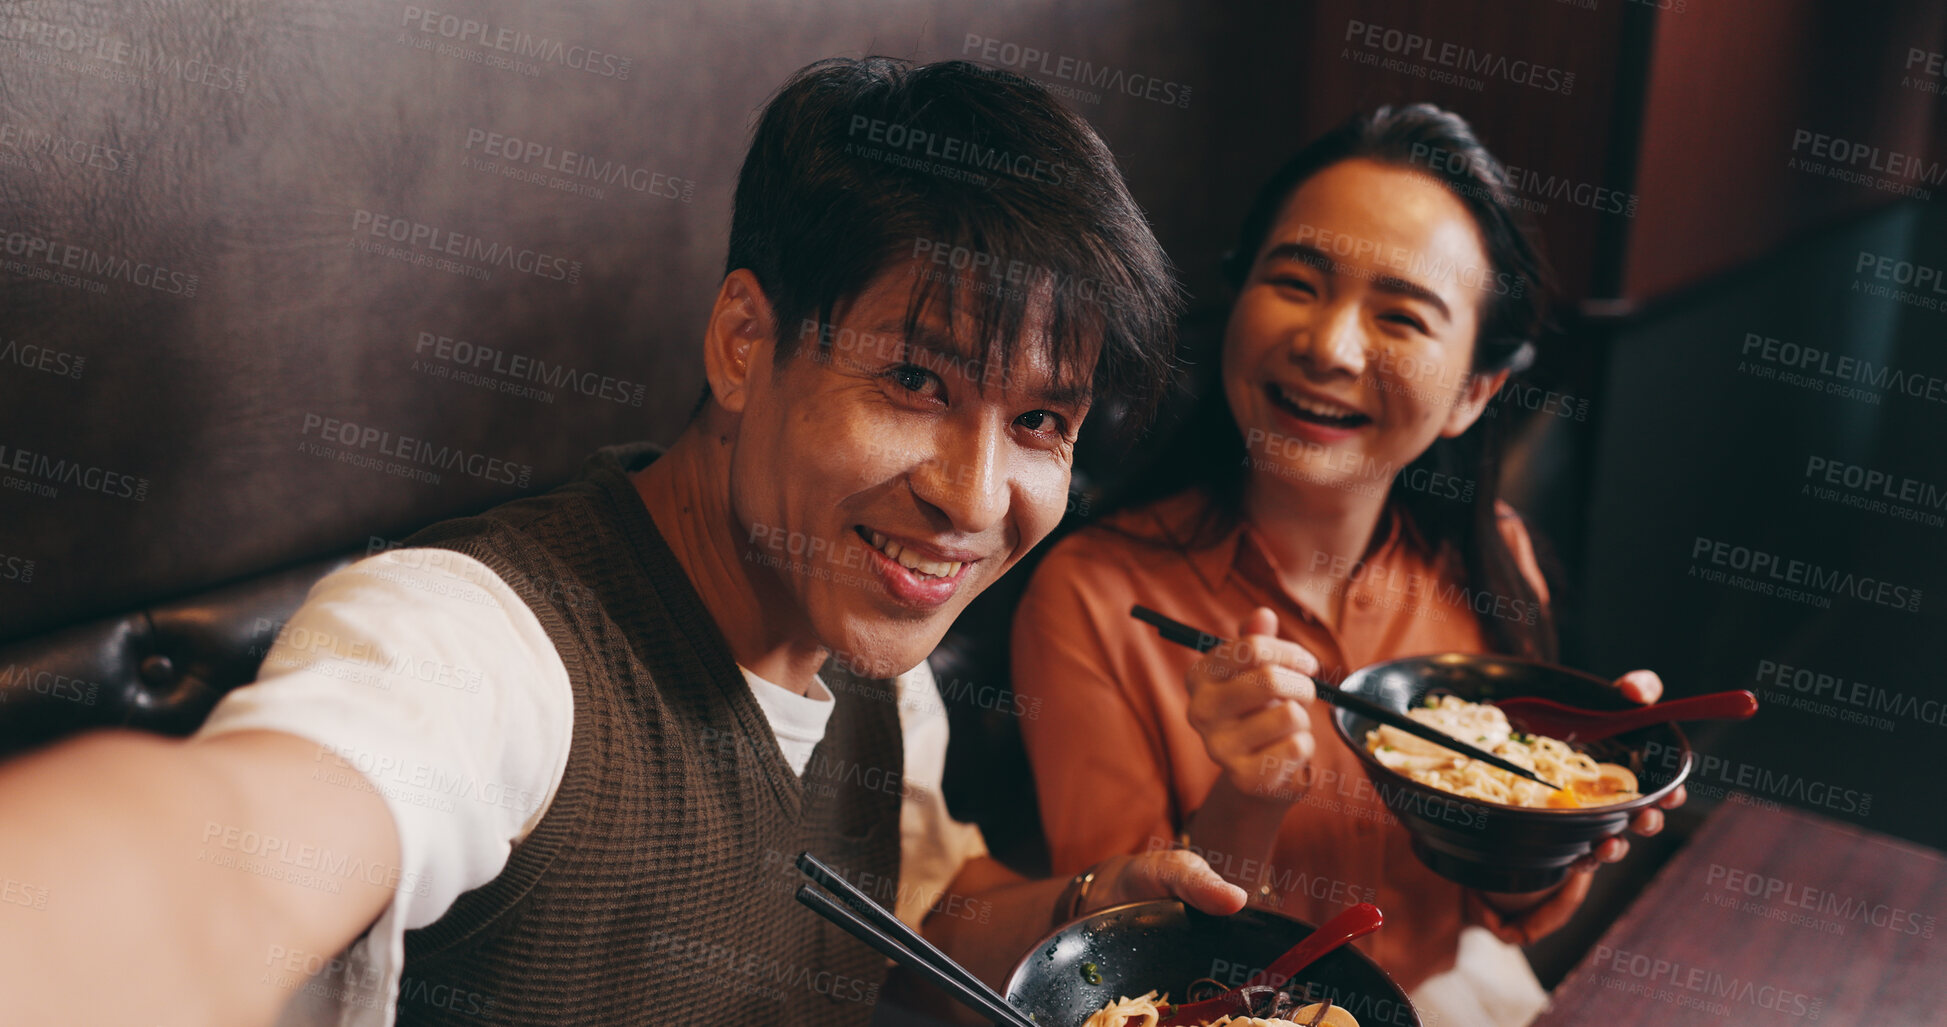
737	339
1474	397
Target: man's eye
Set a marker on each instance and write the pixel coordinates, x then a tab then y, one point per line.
1044	422
914	378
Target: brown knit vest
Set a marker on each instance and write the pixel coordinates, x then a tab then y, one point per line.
658	888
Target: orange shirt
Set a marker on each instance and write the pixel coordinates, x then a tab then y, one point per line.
1118	767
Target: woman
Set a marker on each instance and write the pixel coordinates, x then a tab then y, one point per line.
1333	504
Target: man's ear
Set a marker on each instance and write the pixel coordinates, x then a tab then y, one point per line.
737	341
1474	397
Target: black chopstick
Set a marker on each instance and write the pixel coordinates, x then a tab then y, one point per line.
873	924
857	926
1203	641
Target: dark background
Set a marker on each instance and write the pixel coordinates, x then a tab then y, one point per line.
1689	107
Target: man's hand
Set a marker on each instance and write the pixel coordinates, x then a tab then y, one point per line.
1164	874
1247	702
138	841
1015	912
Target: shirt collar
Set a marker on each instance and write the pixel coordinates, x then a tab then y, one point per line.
1243	552
1174	521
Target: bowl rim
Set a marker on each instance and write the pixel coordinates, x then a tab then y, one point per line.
1021	964
1366	758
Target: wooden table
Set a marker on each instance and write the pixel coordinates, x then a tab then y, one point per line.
1772	916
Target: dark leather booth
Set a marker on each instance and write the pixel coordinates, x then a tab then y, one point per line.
159	669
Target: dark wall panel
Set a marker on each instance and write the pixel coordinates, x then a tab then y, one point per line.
1725	175
550	188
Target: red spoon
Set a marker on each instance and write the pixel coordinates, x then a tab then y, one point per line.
1357	922
1573	724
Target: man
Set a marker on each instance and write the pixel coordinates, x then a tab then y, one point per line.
549	764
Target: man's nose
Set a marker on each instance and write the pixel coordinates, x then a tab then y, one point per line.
967	477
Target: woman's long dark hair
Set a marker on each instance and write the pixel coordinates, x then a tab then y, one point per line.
1207	451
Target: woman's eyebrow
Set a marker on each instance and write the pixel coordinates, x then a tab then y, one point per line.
1413	290
1312	256
1302	253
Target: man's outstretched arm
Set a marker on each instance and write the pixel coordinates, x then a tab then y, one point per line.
156	881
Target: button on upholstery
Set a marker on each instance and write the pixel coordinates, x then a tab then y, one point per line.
157	669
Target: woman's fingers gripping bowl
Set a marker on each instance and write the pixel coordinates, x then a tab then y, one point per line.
1640	686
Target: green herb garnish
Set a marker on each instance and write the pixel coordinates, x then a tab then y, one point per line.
1091	974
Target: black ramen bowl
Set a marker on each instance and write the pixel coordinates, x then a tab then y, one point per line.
1163	946
1488	845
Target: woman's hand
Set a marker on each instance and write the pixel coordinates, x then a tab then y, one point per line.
1247	702
1524	919
1641	686
1163	874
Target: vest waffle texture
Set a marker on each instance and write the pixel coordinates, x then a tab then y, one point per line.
658	888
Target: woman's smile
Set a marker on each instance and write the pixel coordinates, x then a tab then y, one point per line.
1310	417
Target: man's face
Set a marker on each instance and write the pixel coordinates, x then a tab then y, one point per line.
881	483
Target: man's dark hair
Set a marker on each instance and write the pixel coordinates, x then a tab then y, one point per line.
859	165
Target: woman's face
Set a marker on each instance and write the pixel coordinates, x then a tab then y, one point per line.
1349	349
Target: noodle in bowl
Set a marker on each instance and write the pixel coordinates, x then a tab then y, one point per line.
1483	827
1584	781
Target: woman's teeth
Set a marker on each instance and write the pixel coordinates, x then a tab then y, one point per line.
1324	409
1315	409
931	568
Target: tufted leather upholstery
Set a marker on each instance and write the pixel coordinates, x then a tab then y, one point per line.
157	669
